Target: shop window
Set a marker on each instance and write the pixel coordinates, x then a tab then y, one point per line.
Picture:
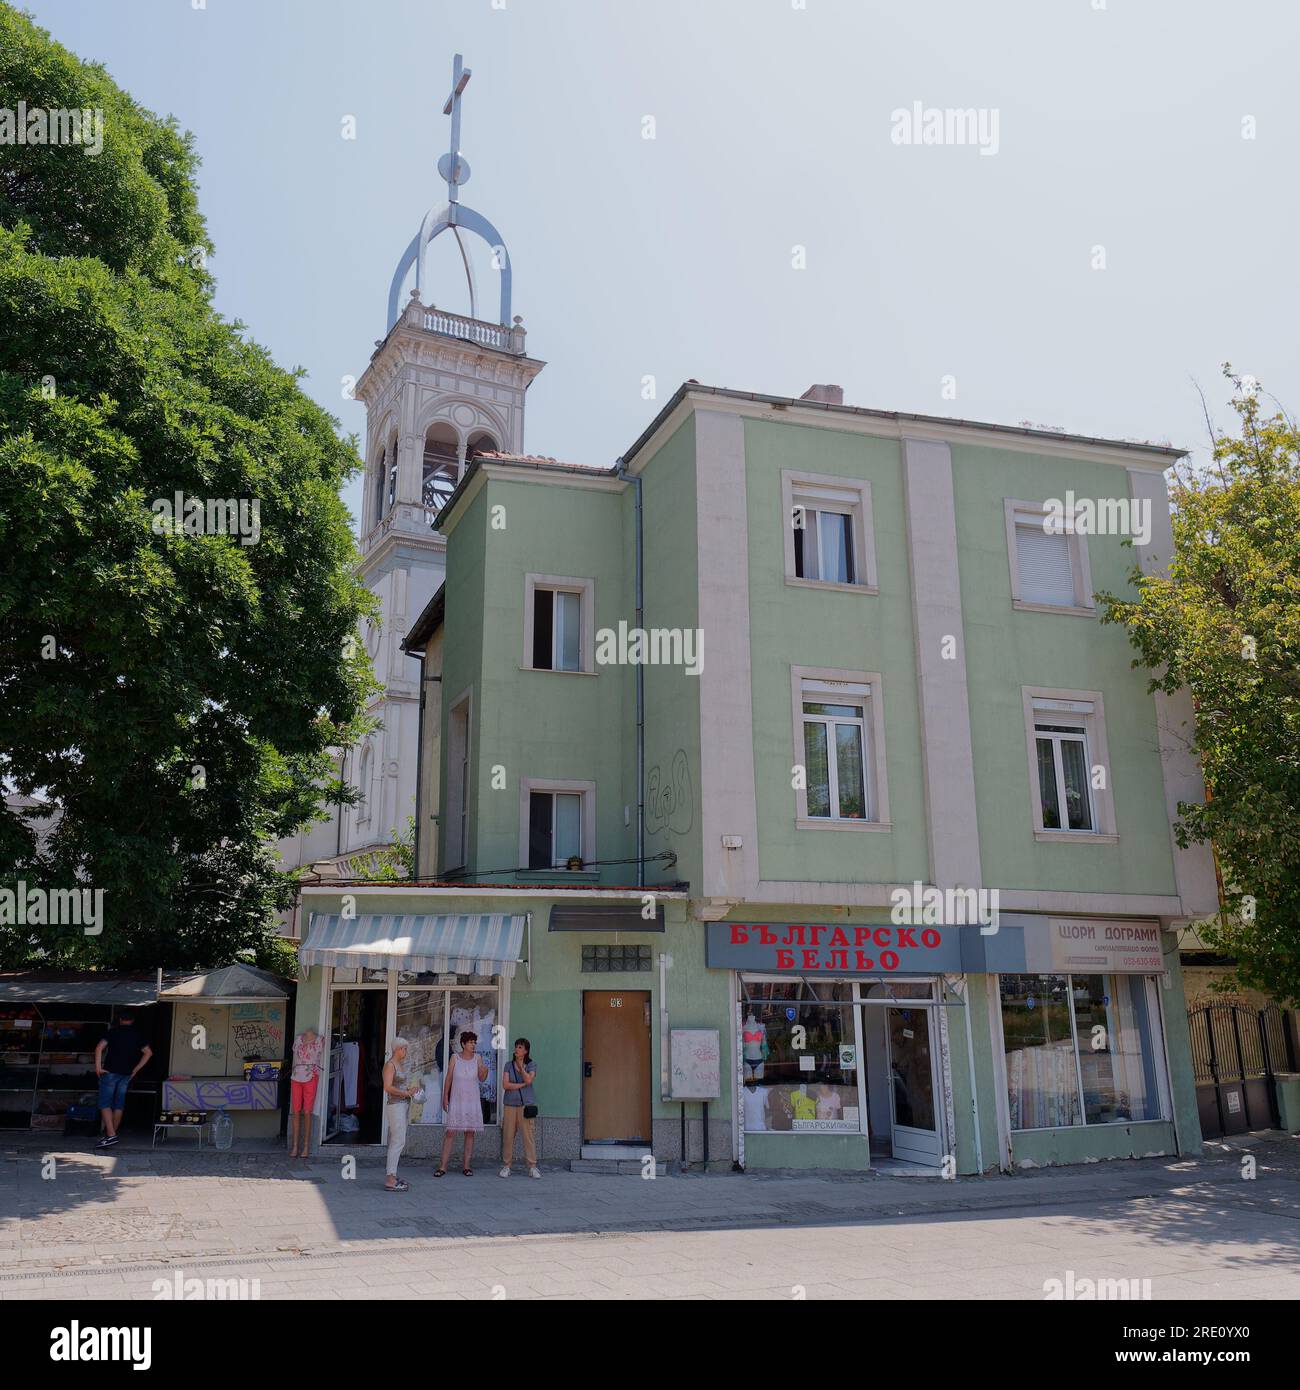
599	959
1080	1050
432	1020
421	1020
475	1010
799	1057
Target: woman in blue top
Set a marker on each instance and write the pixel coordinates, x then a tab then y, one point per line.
517	1083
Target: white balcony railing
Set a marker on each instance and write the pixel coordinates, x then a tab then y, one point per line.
492	335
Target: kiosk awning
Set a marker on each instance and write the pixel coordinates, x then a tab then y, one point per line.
463	943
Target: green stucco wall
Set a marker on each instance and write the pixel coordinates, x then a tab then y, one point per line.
795	626
1007	648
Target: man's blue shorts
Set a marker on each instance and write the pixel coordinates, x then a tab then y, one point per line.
112	1091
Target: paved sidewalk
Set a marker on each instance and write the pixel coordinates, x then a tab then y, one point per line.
107	1224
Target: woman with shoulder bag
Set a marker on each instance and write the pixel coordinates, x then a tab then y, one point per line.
520	1108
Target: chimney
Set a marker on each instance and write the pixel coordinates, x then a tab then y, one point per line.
825	395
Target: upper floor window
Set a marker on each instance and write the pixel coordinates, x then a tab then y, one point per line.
834	742
829	538
559	624
557	822
823	545
1069	765
839	742
1049	567
1063	775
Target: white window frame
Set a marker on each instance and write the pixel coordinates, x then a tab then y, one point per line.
587	790
1022	513
873	760
1087	709
586	591
832	493
458	800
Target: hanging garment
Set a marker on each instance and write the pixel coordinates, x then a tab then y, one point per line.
351	1067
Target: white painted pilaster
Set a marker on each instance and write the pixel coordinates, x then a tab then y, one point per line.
949	766
727	789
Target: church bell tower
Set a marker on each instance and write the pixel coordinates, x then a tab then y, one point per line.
440	388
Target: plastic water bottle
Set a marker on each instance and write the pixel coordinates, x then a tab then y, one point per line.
223	1131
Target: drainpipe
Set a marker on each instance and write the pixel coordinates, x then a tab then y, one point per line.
419	775
640	681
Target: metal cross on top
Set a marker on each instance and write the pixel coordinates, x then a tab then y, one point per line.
453	166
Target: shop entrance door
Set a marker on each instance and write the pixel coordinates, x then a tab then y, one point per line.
616	1066
354	1106
912	1085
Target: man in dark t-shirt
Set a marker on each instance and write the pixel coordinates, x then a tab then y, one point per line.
119	1054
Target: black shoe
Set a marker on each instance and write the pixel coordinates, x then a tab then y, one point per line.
109	1141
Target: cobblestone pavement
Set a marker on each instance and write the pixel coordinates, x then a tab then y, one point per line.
108	1225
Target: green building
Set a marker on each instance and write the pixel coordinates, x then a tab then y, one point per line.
787	765
779	784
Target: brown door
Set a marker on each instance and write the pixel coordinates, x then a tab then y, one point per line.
616	1066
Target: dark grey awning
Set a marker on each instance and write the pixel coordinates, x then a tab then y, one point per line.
25	987
604	917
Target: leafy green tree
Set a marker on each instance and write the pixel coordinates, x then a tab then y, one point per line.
392	861
173	691
1226	624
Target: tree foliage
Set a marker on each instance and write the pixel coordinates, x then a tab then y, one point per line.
174	696
1225	623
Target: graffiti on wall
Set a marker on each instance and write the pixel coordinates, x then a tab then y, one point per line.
670	800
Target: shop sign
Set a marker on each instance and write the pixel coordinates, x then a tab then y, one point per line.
1084	946
803	948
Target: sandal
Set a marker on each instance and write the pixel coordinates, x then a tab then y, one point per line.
398	1186
469	1172
439	1172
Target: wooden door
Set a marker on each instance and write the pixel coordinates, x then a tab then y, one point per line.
616	1066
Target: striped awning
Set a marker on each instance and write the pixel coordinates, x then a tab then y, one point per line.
459	943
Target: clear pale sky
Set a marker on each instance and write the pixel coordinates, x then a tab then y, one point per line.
1119	127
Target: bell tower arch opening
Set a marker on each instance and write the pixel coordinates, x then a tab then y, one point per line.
442	466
